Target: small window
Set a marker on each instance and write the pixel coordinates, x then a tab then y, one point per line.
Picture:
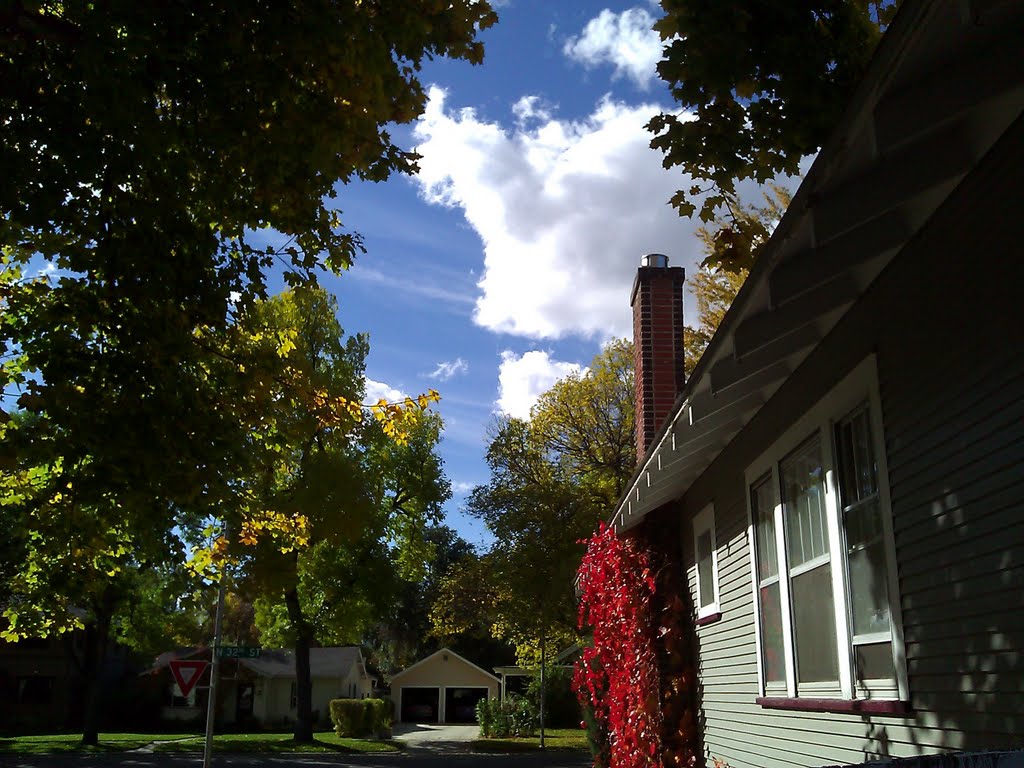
35	691
706	558
293	699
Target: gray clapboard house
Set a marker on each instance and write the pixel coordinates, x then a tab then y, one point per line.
845	467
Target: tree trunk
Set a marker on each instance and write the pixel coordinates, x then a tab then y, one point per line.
543	681
95	658
303	682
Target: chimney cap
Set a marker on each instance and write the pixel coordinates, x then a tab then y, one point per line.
659	260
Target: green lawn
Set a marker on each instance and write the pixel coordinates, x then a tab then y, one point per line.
327	741
556	739
72	742
185	742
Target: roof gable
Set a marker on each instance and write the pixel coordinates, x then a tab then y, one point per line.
450	652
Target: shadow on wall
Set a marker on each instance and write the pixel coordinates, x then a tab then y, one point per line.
952	380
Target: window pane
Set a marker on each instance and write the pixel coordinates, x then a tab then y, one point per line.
869	591
862	521
858	473
705	576
762	501
35	691
771	634
814	626
874	662
803	500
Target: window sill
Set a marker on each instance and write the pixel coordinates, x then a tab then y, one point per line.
711	618
859	706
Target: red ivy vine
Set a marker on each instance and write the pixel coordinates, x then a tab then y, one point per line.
637	676
618	675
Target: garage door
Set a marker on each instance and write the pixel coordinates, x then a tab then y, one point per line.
460	704
420	705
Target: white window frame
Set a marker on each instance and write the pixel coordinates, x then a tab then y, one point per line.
702	522
858	388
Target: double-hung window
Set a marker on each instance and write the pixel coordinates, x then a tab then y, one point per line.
821	540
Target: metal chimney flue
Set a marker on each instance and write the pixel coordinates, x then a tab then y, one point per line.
659	260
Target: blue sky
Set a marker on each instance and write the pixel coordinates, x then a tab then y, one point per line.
508	260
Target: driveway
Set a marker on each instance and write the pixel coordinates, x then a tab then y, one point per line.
435	738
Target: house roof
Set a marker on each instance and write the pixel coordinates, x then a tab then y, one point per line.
276	662
166	657
323	662
941	91
450	652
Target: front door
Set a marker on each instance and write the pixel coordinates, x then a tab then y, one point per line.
243	704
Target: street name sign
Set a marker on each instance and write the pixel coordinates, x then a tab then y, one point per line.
239	651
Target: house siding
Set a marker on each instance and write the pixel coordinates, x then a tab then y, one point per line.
946	325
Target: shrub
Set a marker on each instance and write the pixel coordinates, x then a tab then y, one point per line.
522	717
485	717
361	718
516	716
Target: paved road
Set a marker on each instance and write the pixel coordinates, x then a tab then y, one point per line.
412	759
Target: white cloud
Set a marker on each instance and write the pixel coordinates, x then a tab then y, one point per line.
521	380
424	288
460	488
564	210
446	370
624	40
378	390
530	108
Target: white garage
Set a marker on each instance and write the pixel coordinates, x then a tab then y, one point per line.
442	688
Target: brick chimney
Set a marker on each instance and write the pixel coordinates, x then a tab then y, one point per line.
657	301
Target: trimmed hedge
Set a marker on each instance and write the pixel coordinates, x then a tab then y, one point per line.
361	718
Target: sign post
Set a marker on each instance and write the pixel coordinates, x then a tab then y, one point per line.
211	704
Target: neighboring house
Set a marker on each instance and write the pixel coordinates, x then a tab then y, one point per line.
41	680
264	689
441	688
845	467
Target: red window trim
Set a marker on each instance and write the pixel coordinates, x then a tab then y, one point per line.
865	706
711	618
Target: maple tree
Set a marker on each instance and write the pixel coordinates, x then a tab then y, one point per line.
585	422
283	374
401	634
146	151
730	242
760	83
336	494
552	477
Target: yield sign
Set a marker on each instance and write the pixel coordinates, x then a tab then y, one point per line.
187	673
